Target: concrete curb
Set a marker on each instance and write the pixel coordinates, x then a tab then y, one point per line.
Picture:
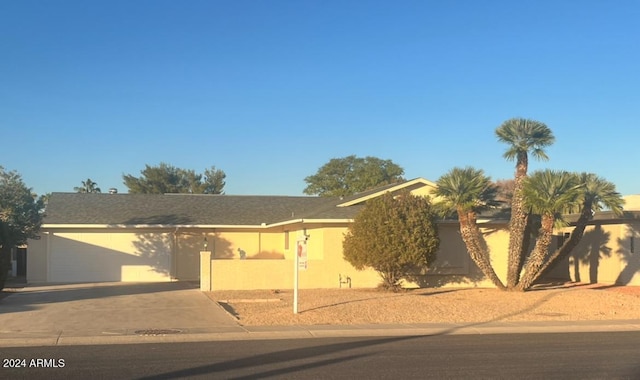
25	339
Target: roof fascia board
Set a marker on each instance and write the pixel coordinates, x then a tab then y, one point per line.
143	226
147	226
391	189
479	222
327	221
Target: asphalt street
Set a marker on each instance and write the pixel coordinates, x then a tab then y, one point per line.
604	355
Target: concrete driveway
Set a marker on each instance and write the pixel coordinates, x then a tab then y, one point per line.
110	309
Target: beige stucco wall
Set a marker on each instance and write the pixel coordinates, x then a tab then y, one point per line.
325	262
606	255
37	258
453	266
326	266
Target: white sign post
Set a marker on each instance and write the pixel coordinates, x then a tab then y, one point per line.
299	263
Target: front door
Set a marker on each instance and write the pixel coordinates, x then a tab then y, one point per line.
21	260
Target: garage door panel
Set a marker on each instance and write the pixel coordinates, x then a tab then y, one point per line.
88	257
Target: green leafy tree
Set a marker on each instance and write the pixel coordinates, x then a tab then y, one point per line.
523	136
351	174
88	186
393	235
467	191
213	181
20	217
166	178
550	194
44	198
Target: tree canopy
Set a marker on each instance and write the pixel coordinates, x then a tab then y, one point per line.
20	217
468	191
166	178
543	197
550	194
523	137
88	186
393	235
351	174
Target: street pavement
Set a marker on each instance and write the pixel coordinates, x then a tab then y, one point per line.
122	313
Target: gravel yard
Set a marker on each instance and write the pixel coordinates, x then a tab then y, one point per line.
567	302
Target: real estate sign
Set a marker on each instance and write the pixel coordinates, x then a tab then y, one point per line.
302	254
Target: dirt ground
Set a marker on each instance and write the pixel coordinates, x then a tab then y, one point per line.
561	302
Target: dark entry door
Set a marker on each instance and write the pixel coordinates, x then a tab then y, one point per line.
21	261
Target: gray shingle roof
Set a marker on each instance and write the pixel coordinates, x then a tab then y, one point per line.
188	209
197	209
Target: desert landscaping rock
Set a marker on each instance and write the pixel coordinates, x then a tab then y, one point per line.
568	302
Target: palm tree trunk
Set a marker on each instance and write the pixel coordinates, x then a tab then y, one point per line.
517	227
540	253
569	245
472	237
526	242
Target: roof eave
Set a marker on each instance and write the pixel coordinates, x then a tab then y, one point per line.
148	226
391	189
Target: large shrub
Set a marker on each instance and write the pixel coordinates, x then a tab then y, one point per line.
393	234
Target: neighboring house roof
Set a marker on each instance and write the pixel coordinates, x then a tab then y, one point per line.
606	217
631	202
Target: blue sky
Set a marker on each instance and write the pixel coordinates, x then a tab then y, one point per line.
269	91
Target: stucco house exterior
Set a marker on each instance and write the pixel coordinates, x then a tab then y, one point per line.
609	252
251	242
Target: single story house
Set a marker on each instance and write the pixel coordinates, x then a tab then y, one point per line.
251	242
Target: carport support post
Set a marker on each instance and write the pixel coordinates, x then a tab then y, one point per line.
205	271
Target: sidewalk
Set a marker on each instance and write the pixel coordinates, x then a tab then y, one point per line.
104	313
79	337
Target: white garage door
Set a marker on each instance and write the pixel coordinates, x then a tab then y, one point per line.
106	256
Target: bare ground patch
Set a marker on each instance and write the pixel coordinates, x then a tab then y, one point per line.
573	302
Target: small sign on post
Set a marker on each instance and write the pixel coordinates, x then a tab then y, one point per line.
302	254
300	262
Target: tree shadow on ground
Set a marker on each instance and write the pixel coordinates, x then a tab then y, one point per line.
28	298
441	277
288	356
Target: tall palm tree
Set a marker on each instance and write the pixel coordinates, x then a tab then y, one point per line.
549	194
596	194
523	136
88	186
467	191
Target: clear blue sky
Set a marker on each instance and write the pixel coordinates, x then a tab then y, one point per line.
269	91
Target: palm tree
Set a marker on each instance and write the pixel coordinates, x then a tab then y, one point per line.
467	191
549	194
596	194
524	136
88	186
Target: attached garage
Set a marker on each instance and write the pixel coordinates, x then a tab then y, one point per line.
100	256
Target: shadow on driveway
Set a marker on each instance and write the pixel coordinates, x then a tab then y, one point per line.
103	307
51	293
